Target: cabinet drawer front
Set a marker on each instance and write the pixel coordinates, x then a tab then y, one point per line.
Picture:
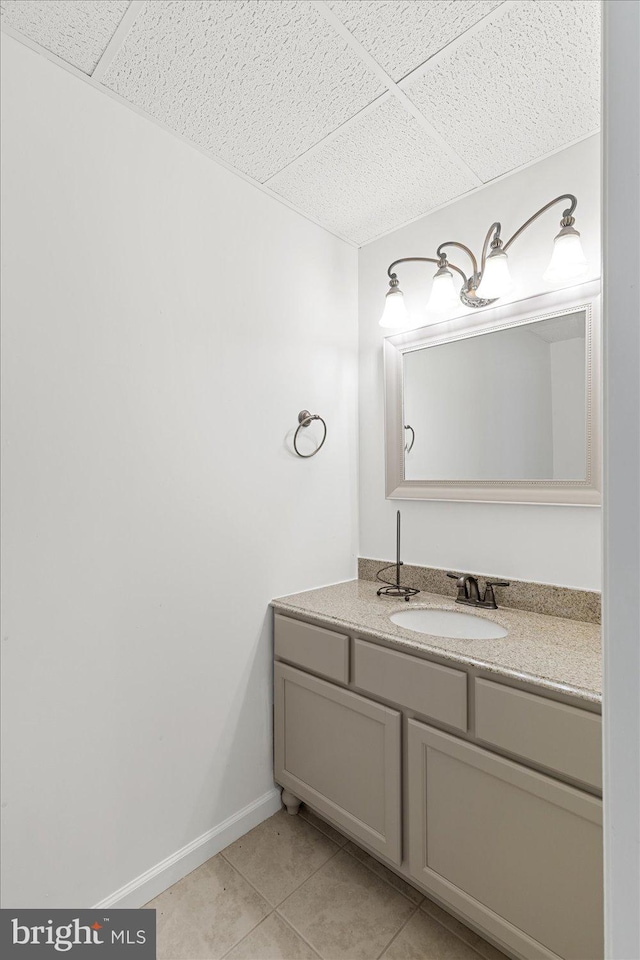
516	851
313	648
341	753
563	738
432	690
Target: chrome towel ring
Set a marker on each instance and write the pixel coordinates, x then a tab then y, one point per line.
304	419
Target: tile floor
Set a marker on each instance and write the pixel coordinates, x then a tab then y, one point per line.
295	889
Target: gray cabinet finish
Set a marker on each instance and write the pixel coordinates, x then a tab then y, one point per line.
505	845
555	735
428	688
514	850
341	753
314	648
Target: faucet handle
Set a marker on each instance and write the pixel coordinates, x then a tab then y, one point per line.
489	599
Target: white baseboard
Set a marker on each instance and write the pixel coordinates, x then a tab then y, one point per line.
173	868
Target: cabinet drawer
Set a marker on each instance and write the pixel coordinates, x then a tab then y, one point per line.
434	691
563	738
321	651
340	752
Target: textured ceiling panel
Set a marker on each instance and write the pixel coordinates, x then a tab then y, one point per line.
528	84
255	83
77	31
383	170
402	34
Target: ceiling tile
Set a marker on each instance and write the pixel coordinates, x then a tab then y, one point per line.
77	31
255	83
381	171
528	84
402	34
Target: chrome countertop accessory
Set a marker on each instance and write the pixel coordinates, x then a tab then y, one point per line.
395	590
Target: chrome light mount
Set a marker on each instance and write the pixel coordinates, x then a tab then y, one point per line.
468	293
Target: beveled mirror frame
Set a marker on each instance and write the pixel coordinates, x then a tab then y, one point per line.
585	492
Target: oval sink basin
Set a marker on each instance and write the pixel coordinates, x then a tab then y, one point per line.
449	623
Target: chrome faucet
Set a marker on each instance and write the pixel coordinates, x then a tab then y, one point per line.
469	591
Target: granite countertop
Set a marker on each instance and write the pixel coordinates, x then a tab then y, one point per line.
551	652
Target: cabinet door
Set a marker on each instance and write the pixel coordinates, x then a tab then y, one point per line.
515	851
341	753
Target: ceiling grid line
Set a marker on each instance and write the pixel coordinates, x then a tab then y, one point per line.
404	75
35	47
460	40
482	186
134	8
394	88
360	115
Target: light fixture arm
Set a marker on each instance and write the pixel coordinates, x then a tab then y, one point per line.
452	266
460	246
567	216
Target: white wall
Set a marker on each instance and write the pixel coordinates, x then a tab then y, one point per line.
164	322
532	542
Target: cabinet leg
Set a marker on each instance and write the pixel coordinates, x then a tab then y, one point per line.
291	803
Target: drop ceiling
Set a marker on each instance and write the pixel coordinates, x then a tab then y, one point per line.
360	114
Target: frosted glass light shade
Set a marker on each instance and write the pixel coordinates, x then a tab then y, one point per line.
568	261
395	313
496	278
443	292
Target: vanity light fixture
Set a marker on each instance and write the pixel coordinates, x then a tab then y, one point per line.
492	279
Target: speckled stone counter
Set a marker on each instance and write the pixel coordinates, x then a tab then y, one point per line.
550	652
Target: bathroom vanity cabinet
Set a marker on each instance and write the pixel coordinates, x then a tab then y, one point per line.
483	792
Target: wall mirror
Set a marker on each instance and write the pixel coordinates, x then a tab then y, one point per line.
498	407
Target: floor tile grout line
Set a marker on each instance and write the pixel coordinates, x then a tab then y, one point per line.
253	886
345	846
249	932
384	879
345	839
297	932
276	909
246	880
328	860
295	929
262	897
471	946
288	922
417	907
398	932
